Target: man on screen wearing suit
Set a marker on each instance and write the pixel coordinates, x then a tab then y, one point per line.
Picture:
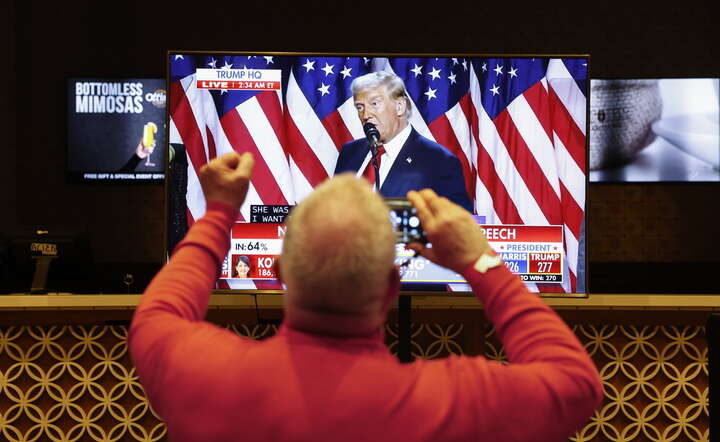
407	160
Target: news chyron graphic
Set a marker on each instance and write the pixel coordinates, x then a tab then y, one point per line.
239	79
511	133
535	253
116	129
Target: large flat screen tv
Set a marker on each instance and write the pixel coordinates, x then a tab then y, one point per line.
116	129
515	126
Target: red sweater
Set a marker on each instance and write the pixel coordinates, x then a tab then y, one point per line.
209	384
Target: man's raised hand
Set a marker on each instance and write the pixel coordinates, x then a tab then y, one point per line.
226	178
457	241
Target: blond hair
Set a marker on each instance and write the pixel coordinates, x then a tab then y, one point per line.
393	84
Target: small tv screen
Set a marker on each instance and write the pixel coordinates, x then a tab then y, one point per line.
116	129
655	130
501	135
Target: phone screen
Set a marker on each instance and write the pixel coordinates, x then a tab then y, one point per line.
405	221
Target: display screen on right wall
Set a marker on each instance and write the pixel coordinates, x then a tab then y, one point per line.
655	130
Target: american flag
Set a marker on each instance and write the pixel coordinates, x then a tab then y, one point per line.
517	125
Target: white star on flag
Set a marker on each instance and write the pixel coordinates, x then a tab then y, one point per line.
495	89
513	72
346	72
430	93
179	57
451	77
417	70
324	89
498	70
484	67
435	73
212	63
268	59
309	65
328	69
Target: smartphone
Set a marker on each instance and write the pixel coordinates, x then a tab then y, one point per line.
405	221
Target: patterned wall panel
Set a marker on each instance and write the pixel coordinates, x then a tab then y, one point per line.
657	223
655	380
71	383
77	382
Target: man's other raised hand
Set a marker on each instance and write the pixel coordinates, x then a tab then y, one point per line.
457	240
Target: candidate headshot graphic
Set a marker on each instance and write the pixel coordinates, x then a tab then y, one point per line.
241	266
407	160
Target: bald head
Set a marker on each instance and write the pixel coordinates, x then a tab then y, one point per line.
339	249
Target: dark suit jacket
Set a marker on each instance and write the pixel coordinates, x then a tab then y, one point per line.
420	164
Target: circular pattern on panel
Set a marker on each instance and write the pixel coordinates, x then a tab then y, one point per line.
71	383
655	380
77	383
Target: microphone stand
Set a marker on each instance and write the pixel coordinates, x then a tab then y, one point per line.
373	155
404	301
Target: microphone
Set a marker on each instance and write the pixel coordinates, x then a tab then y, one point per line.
372	134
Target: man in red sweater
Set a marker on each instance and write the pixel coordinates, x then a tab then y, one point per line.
327	375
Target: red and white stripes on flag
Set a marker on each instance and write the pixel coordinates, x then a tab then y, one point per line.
531	162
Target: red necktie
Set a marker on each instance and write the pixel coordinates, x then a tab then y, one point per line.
369	172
